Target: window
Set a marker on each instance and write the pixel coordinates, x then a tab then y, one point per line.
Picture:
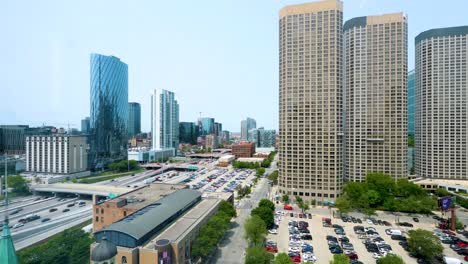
102	211
125	214
124	260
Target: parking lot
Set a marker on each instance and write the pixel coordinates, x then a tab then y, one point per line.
372	232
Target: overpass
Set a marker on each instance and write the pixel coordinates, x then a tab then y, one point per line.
81	189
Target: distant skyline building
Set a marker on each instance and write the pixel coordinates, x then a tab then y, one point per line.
218	128
310	100
85	124
109	110
246	126
441	120
134	119
411	103
376	95
263	138
188	133
207	125
164	120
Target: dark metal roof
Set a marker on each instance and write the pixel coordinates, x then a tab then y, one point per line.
152	218
105	250
442	32
355	22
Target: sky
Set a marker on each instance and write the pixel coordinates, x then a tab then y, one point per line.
220	57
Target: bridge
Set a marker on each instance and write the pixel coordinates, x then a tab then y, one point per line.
81	189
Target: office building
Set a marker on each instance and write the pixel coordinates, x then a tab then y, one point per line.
164	120
246	126
226	138
12	138
162	231
109	110
411	103
188	133
243	149
206	126
211	141
85	124
263	138
375	84
218	128
56	154
134	119
441	89
310	100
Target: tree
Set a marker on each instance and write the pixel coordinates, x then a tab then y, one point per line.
267	203
257	255
423	243
282	258
255	230
260	172
266	214
285	198
441	192
391	259
343	204
274	177
340	259
227	208
18	184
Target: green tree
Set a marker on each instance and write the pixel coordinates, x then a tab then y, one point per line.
340	259
260	172
255	230
227	208
285	198
282	258
382	183
274	177
423	243
18	184
390	259
266	214
257	255
267	203
373	197
343	204
441	192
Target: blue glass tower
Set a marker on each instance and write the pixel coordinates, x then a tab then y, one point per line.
134	119
109	110
411	103
207	126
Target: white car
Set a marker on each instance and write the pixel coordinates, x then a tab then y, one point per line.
376	255
17	225
294	249
273	231
369	222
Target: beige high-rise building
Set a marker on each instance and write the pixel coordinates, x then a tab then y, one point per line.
441	105
310	100
375	88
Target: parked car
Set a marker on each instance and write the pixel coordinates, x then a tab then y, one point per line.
306	237
416	219
273	231
398	237
271	248
287	207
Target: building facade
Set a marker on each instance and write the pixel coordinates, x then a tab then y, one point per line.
263	138
85	124
246	126
12	139
375	85
211	141
109	110
218	128
441	105
188	133
56	154
411	103
310	100
206	126
164	119
243	150
134	119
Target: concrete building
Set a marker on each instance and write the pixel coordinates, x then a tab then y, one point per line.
246	126
310	100
56	154
160	232
375	85
243	150
226	137
108	110
164	120
134	119
411	103
12	139
85	124
225	160
442	103
211	141
188	133
145	154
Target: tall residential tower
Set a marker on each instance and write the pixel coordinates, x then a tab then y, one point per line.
310	99
246	126
375	87
442	103
164	120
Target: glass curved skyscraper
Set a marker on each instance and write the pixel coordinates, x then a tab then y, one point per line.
109	109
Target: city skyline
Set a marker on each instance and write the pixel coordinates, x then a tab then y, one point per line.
55	68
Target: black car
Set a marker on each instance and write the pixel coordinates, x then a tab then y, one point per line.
70	205
291	214
337	226
304	223
65	210
309	216
332	238
405	224
336	250
306	237
416	219
15	212
379	222
398	237
344	239
45	220
359	221
386	223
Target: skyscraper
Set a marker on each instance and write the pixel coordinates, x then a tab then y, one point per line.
246	126
218	127
188	133
164	120
442	103
85	124
134	119
411	98
310	100
375	86
109	109
207	126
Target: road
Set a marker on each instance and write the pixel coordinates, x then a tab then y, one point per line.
232	248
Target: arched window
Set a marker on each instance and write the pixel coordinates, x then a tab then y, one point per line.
124	260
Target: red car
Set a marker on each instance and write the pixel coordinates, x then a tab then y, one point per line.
300	215
271	248
462	244
287	207
466	258
296	259
352	256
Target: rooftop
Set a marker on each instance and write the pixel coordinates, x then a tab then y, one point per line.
459	183
442	32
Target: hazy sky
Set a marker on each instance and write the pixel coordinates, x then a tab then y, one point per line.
220	57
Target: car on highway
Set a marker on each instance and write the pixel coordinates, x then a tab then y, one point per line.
52	210
81	204
65	210
70	205
18	225
16	211
45	220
